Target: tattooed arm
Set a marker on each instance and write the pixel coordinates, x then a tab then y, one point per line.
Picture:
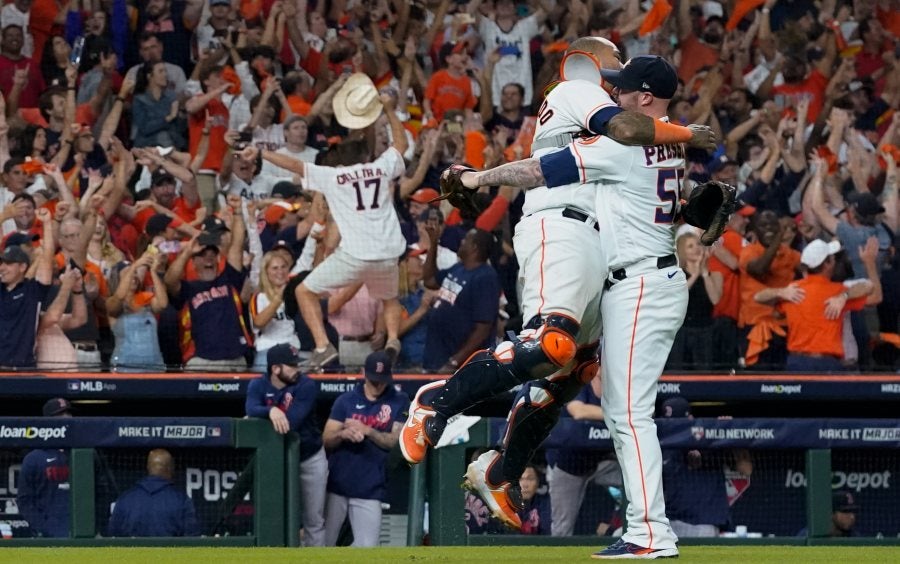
631	128
519	174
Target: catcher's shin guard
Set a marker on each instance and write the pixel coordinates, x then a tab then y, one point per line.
534	414
487	373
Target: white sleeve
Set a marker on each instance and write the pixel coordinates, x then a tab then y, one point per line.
248	86
579	100
528	27
254	245
318	178
392	161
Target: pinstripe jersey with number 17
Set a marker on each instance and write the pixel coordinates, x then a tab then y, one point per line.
637	192
361	200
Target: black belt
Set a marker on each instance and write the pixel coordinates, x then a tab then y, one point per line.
573	213
662	262
357	338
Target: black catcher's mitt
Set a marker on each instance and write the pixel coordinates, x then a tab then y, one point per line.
708	207
459	196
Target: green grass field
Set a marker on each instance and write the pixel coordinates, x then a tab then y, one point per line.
493	555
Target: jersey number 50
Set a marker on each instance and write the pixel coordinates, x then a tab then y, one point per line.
668	188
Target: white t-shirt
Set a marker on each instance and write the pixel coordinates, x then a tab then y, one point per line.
270	138
307	155
10	15
280	329
361	202
510	68
567	109
260	187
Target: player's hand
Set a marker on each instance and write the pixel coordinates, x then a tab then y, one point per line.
702	137
279	421
793	294
834	306
351	435
249	153
43	215
358	426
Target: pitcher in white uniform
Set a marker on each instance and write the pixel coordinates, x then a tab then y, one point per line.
562	269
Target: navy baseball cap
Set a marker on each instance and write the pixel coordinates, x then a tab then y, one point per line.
209	241
647	73
56	406
378	368
213	224
283	353
845	501
16	239
675	407
157	224
14	254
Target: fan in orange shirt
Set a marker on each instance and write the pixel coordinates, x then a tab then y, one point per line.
815	307
766	263
450	88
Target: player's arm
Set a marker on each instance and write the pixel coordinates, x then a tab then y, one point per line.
526	173
331	435
632	128
580	410
283	161
384	440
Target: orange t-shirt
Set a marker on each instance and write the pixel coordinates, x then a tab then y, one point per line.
449	93
809	332
694	56
182	209
781	273
218	115
730	302
814	87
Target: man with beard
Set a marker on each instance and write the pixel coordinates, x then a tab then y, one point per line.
287	397
698	52
214	335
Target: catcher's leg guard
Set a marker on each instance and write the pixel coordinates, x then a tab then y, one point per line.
487	373
534	414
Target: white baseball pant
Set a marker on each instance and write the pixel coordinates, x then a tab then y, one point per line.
561	269
641	315
365	519
313	474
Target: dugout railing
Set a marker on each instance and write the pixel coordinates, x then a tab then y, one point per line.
438	479
267	474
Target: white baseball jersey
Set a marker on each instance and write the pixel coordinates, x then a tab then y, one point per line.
361	202
260	187
570	107
637	192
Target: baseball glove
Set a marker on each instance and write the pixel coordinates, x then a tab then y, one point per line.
460	197
708	207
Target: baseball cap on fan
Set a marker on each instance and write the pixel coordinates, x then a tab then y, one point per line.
647	73
817	251
378	368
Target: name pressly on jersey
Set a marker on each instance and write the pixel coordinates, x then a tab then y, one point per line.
662	153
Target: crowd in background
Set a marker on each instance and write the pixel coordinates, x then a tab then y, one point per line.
121	125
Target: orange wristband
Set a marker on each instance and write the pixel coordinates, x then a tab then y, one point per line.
665	132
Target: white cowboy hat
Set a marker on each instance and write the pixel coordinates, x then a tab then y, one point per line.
356	105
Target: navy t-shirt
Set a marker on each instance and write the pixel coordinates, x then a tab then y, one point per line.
466	297
297	401
43	496
695	495
413	340
577	461
215	328
19	311
359	470
536	515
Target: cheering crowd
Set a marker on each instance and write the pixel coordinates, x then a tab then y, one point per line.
151	213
